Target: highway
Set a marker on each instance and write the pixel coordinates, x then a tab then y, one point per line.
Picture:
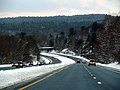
54	61
74	77
7	68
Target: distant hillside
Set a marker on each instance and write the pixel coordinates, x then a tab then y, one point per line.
48	24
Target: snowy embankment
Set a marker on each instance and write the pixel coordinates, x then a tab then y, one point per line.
79	57
11	77
114	65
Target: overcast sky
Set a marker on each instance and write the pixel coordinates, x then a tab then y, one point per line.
12	8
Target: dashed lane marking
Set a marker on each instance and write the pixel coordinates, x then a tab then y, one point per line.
91	75
94	77
99	83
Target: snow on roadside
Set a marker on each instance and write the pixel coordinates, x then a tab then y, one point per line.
47	61
114	65
5	65
111	65
80	57
64	60
11	77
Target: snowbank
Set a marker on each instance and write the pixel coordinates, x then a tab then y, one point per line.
6	65
11	77
111	65
46	60
67	51
80	57
64	60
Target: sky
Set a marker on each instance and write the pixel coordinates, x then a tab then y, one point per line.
13	8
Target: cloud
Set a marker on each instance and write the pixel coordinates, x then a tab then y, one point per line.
57	7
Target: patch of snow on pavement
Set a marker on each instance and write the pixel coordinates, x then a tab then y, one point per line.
11	77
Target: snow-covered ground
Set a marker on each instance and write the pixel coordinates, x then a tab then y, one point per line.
114	65
46	60
11	77
6	65
42	59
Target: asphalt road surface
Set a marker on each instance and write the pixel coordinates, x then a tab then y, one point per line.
7	68
75	77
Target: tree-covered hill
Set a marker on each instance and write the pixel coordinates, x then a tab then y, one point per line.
48	24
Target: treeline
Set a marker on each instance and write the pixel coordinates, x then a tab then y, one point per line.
100	39
17	48
103	41
21	45
107	47
35	25
73	40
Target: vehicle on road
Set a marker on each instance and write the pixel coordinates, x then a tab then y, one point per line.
84	62
92	62
37	63
31	64
78	61
42	62
19	64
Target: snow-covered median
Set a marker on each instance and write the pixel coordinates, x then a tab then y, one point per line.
10	77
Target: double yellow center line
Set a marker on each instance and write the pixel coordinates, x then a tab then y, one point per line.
40	80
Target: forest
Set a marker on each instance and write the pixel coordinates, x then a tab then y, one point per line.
35	25
99	38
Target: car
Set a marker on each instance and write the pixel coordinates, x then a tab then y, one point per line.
92	62
68	56
78	61
31	64
42	62
14	64
19	64
84	62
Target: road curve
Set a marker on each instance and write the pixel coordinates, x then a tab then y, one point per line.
75	77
